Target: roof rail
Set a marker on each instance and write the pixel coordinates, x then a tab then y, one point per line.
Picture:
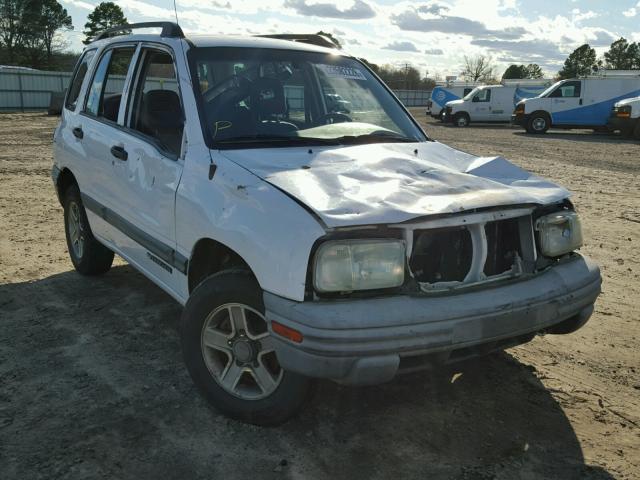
169	29
311	38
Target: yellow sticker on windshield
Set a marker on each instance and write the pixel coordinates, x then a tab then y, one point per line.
221	125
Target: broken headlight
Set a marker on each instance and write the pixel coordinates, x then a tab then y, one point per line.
350	265
559	233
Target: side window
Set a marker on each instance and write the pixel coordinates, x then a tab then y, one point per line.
106	89
78	78
156	109
483	95
568	90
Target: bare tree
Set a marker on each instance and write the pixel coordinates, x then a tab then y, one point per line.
478	68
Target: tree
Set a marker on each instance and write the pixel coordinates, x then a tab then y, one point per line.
105	15
582	61
515	71
28	31
44	19
478	68
532	70
11	26
623	55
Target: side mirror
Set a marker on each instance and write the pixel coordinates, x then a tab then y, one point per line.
475	99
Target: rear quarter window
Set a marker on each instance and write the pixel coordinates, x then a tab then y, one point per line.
77	79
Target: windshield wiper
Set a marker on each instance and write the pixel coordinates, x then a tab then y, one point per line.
275	140
375	137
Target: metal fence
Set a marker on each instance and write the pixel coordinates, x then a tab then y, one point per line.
413	98
24	90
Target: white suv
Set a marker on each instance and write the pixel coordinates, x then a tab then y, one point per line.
304	240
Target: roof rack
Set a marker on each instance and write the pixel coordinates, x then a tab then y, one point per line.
312	38
169	29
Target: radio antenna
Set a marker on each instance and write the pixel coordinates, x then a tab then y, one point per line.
175	10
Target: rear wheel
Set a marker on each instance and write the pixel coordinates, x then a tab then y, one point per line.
539	122
230	353
89	257
461	120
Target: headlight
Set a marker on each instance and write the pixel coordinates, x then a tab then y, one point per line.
349	265
624	111
559	233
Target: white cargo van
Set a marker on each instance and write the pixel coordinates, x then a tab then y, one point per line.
577	103
492	103
625	116
445	92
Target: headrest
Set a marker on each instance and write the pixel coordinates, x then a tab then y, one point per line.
161	109
267	97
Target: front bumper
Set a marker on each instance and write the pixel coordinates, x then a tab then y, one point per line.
369	341
521	119
624	124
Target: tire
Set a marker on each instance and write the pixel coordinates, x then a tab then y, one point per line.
461	120
636	131
227	311
538	123
441	115
89	257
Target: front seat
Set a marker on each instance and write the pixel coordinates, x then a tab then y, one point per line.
161	117
269	104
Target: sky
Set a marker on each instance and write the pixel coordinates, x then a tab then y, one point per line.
433	36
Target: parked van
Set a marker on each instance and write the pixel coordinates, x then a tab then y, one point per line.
492	103
625	116
445	92
577	103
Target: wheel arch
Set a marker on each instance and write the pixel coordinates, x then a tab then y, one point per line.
210	256
65	179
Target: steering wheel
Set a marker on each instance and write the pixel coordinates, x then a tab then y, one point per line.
336	117
234	83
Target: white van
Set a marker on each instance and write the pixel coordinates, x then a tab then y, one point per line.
577	103
625	116
445	92
492	103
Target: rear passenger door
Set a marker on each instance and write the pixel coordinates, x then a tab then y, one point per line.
147	179
98	130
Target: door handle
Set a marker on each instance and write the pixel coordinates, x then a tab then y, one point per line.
78	133
119	152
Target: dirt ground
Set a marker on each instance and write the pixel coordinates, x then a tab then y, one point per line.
92	383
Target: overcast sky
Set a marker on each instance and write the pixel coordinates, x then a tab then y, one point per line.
431	35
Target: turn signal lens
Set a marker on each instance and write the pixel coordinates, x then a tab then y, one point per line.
286	332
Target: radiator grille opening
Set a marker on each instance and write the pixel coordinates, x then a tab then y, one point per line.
446	254
503	245
441	255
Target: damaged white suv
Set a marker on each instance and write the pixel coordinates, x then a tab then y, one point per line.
305	239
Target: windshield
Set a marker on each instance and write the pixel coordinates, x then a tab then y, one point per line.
283	97
550	89
471	94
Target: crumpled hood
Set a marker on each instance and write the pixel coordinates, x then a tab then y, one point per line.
393	183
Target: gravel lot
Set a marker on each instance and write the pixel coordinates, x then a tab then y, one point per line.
92	382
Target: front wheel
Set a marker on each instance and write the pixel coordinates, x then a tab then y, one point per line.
230	353
461	120
538	123
636	131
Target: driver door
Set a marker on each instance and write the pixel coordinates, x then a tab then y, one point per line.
565	102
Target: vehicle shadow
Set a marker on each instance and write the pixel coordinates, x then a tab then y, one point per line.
92	384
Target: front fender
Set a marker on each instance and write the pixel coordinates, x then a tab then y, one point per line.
271	232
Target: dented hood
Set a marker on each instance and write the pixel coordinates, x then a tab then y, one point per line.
393	183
